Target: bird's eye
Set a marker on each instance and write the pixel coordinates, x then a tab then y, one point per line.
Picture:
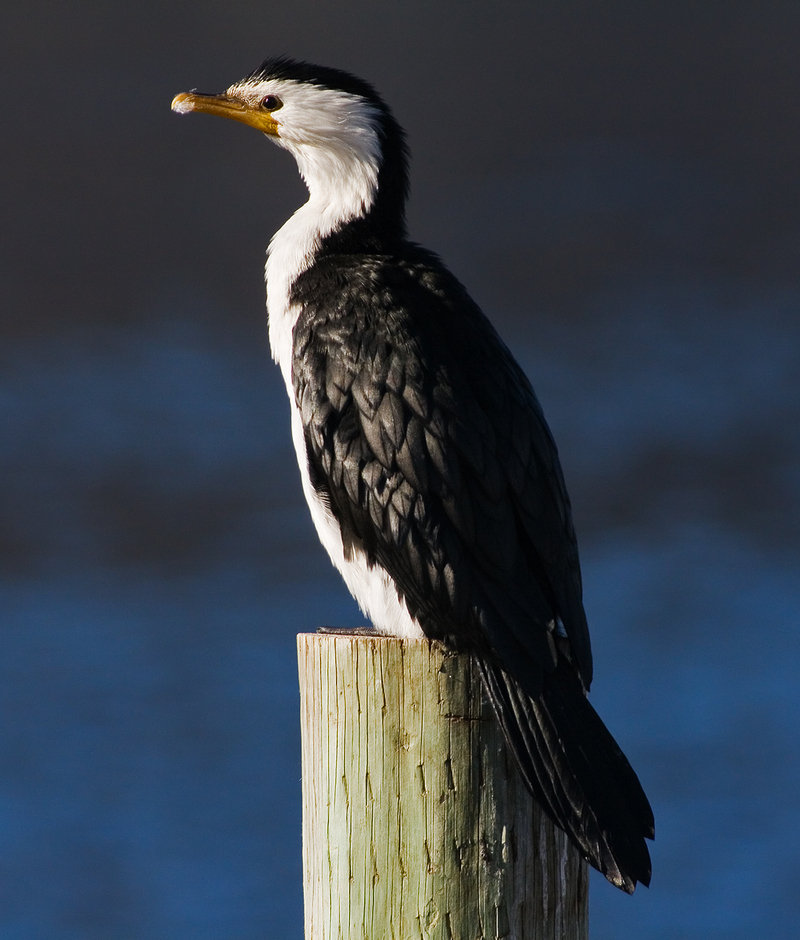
271	103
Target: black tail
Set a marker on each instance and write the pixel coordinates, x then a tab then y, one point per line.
576	770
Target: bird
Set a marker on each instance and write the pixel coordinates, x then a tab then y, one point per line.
430	472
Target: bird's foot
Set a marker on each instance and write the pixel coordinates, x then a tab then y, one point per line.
349	631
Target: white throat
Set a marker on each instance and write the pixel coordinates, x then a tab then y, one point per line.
333	137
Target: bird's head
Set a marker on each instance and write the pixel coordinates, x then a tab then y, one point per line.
336	126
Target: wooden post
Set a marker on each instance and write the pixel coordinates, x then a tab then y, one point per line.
416	825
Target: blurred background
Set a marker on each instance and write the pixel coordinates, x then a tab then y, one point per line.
617	184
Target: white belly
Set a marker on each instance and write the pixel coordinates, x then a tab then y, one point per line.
372	587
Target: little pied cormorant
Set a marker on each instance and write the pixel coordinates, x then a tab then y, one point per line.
431	475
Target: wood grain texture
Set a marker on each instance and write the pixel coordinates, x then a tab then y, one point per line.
416	825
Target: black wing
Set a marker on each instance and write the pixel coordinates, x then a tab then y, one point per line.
433	452
429	445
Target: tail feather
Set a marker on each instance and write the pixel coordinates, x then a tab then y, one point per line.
576	770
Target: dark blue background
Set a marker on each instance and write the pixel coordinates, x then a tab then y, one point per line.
618	187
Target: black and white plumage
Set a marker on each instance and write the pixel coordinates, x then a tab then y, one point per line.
431	475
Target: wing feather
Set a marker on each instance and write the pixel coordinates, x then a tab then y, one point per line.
394	402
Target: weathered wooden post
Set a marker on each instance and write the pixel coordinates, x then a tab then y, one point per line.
416	825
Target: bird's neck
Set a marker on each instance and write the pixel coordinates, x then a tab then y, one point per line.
338	193
344	213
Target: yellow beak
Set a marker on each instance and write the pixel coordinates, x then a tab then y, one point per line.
227	107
